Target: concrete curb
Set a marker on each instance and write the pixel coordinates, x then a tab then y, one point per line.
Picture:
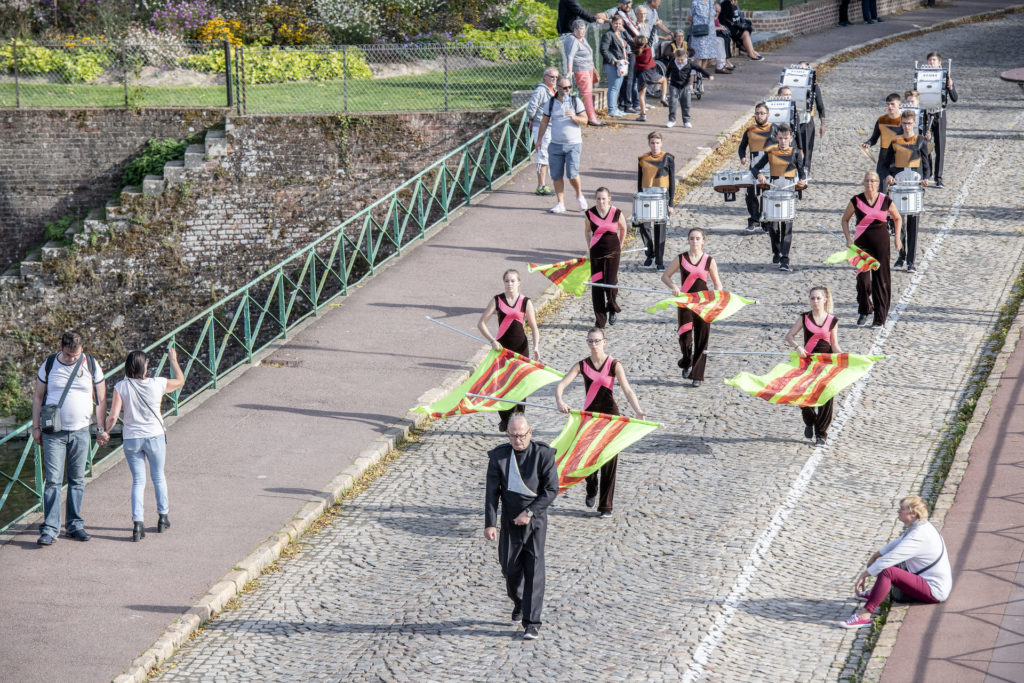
250	568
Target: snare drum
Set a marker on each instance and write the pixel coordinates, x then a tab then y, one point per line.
778	206
781	111
650	205
800	81
908	198
931	83
731	181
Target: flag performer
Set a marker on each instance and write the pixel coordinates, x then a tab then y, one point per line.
604	229
820	336
512	308
599	372
861	260
694	267
871	233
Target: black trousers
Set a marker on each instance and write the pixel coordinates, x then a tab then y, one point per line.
874	287
806	141
753	206
693	342
653	235
607	485
909	250
781	234
938	130
521	555
820	418
844	11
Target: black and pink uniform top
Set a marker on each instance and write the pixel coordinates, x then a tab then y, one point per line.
818	338
511	332
598	383
870	216
694	276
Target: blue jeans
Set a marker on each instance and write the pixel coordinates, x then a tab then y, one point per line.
614	84
137	452
869	8
60	450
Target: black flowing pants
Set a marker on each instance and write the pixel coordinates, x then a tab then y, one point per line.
521	555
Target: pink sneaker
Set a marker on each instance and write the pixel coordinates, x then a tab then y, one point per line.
853	621
582	202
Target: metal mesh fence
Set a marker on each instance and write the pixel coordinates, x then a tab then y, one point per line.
346	78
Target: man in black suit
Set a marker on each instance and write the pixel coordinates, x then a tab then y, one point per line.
522	474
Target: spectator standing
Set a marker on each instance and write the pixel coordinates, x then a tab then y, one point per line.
651	23
565	116
72	382
615	55
702	32
629	97
535	109
143	431
522	476
844	12
739	27
869	8
579	61
680	69
571	10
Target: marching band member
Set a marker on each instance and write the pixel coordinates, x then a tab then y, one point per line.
600	371
512	308
782	161
604	230
909	150
756	139
937	124
872	210
656	169
912	98
886	128
805	129
695	267
820	336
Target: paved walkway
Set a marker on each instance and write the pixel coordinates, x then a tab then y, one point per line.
668	575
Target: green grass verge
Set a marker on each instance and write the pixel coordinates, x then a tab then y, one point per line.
477	88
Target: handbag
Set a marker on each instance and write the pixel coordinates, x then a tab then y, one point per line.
49	415
622	67
700	30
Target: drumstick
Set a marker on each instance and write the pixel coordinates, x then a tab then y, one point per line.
868	155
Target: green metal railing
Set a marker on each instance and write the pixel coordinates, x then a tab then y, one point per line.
229	333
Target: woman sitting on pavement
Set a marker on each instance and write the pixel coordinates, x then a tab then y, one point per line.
579	61
143	431
927	576
739	27
615	54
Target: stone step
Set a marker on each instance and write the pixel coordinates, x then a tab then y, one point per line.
11	276
94	222
195	157
32	265
174	172
216	144
153	185
74	229
129	193
53	250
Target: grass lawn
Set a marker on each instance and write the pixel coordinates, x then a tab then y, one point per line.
476	88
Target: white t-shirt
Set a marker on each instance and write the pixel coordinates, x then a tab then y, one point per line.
76	412
564	130
919	546
140	421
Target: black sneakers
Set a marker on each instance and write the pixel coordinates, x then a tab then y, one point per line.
862	320
532	633
808	431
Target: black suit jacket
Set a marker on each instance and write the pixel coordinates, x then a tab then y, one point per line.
536	467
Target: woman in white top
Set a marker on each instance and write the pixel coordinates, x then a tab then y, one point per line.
920	548
143	431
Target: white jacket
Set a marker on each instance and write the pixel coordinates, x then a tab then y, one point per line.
919	546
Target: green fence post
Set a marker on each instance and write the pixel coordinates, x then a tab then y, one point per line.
247	327
280	304
227	72
342	263
487	161
312	282
17	87
124	72
444	190
420	189
212	349
444	52
344	78
467	158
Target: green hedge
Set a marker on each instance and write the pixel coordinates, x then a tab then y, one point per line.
75	65
269	65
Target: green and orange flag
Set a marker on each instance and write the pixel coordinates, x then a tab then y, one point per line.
571	276
710	305
856	257
502	374
589	440
806	382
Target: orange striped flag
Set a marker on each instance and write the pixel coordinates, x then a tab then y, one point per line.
589	440
856	257
806	382
571	276
711	305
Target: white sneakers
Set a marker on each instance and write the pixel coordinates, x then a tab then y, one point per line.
670	123
687	124
557	208
582	202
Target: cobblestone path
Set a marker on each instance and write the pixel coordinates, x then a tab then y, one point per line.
734	544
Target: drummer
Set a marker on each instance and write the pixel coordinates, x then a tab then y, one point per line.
912	98
937	124
805	123
887	127
909	150
782	161
756	140
657	168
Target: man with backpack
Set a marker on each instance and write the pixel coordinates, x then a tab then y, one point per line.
69	389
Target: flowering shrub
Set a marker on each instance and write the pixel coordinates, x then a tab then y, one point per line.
369	22
155	48
530	15
216	30
182	18
293	24
278	66
74	66
488	44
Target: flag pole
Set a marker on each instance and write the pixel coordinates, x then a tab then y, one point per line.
506	400
836	235
635	289
752	353
455	329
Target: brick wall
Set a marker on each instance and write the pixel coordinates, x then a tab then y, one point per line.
818	14
53	161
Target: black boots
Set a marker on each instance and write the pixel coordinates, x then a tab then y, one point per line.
138	531
163	523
